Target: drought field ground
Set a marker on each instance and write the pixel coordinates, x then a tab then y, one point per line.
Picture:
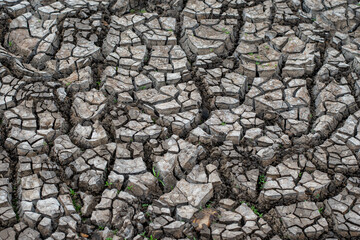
179	119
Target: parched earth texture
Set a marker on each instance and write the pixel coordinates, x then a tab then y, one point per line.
179	119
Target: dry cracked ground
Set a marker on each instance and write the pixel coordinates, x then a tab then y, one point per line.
179	119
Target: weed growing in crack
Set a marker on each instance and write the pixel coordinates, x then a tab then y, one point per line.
115	100
157	175
109	238
300	174
132	11
223	123
142	11
143	87
130	187
261	181
101	228
209	205
226	31
253	208
257	63
72	192
10	43
317	196
145	205
170	30
321	210
108	184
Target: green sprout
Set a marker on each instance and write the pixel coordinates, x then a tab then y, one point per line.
108	184
101	228
143	11
10	43
98	83
256	211
251	54
317	196
321	210
157	175
116	231
223	123
143	87
211	50
267	47
115	100
129	187
68	84
310	115
117	68
314	19
300	174
143	234
170	30
257	63
72	192
209	205
132	11
145	205
109	238
261	181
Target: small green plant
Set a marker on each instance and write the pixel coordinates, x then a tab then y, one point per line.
300	174
321	210
145	205
225	31
45	143
117	68
314	19
115	100
68	84
170	30
129	187
143	234
317	196
101	228
209	205
223	123
115	231
310	116
108	184
257	63
143	87
157	175
10	43
261	181
251	54
211	49
267	47
143	11
76	206
98	83
132	11
256	211
152	238
241	202
72	192
108	238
